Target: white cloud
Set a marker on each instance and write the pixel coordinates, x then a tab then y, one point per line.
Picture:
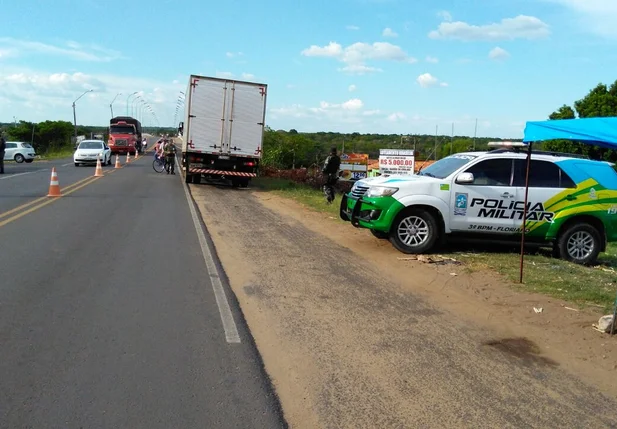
594	16
224	74
72	50
356	55
520	27
445	15
427	80
359	69
397	116
498	54
290	86
353	104
433	60
248	76
353	27
40	95
388	32
233	54
352	88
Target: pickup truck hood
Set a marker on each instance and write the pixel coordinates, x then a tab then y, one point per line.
396	181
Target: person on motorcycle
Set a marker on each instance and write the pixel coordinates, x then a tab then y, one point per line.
330	171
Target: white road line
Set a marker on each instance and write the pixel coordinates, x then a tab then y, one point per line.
66	165
18	174
229	325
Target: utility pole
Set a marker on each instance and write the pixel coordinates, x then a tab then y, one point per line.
475	133
452	139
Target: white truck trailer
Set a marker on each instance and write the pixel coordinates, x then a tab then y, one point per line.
223	129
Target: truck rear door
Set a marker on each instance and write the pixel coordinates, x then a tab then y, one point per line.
246	108
206	130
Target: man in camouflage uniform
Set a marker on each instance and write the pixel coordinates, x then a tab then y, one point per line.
170	155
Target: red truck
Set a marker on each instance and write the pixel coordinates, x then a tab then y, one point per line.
124	135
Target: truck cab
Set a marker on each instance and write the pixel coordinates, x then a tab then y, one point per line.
124	136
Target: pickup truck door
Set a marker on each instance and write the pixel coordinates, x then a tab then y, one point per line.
486	205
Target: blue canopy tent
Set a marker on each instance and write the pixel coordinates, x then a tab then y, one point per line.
600	132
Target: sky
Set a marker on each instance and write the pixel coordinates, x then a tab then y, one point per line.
367	66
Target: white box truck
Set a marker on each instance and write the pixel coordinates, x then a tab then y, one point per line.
223	129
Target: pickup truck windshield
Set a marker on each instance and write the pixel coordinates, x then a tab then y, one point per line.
121	130
446	166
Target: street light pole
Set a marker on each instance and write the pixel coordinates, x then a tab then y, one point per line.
136	99
127	102
75	115
111	107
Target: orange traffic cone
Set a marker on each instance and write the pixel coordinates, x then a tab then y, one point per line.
128	157
99	168
118	162
54	185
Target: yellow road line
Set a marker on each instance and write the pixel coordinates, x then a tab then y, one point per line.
38	200
49	201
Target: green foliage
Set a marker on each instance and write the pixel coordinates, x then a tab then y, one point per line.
601	101
283	149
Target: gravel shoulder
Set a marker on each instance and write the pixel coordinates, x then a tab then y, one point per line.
353	337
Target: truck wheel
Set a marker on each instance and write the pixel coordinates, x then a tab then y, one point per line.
414	231
244	183
188	178
580	243
380	234
235	183
197	179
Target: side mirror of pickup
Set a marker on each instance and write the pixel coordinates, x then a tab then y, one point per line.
464	178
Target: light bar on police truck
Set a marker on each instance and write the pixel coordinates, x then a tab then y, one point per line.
506	145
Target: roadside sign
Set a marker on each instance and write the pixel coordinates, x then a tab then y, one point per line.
354	166
396	162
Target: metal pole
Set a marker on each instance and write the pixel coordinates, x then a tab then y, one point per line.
75	122
111	107
74	114
524	225
475	133
127	102
452	138
32	140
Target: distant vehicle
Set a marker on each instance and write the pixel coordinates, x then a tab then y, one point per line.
124	135
222	133
89	151
19	152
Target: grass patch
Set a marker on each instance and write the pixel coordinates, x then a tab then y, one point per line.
303	194
543	273
58	153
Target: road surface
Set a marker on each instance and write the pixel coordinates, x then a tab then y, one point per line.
110	316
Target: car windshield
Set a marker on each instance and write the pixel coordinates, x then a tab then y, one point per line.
121	129
91	145
446	166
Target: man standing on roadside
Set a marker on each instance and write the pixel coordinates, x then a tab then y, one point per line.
330	170
2	151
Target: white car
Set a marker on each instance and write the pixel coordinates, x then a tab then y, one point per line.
89	151
19	152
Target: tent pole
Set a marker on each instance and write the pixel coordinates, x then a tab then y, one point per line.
524	226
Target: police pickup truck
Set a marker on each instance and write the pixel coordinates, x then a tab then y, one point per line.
571	204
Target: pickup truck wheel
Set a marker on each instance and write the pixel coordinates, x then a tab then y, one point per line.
380	234
414	231
580	243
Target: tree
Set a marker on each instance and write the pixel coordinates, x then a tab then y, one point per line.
601	101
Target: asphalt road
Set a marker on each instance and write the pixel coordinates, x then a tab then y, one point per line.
108	313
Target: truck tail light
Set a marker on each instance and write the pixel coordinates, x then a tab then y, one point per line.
249	164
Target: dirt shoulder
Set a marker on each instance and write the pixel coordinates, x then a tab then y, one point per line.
354	337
